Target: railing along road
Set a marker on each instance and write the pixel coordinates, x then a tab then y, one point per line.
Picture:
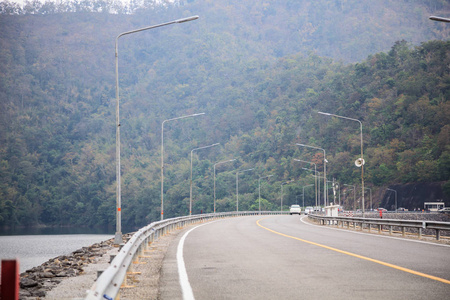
108	284
379	223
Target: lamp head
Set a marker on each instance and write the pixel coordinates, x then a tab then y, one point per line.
186	19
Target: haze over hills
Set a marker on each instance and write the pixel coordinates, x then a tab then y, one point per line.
260	70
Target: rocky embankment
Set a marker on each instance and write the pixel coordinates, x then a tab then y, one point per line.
36	282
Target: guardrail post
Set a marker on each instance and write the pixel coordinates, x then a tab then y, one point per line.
438	234
420	233
379	228
390	229
403	231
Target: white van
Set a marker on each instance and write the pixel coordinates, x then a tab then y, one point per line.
295	209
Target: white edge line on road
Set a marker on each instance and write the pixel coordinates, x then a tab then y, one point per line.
186	288
374	235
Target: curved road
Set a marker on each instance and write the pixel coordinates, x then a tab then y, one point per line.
285	257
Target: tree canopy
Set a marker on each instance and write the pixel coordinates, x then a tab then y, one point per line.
260	70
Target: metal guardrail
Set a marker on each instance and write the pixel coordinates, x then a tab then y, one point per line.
379	223
108	284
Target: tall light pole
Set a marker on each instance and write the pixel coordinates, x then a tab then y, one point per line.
281	206
190	194
220	162
395	197
324	171
118	235
315	173
304	193
259	190
359	162
318	184
162	156
370	197
237	187
354	196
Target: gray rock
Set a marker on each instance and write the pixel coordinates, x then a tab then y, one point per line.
27	282
38	293
47	275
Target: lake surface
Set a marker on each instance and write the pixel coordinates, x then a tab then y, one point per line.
34	250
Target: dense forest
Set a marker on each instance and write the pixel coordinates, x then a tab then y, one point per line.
259	70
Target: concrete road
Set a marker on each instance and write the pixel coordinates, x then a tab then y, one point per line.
283	257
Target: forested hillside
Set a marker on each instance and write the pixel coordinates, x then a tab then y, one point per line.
260	70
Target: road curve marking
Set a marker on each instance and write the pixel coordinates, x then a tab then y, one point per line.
357	255
186	288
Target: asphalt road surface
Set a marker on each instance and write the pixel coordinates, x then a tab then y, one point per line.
283	257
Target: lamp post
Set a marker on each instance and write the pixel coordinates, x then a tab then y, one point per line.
162	156
237	187
354	196
370	197
259	190
343	200
359	162
118	235
324	171
315	173
221	162
304	193
439	19
281	209
318	184
190	194
395	197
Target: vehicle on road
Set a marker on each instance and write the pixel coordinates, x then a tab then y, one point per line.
308	210
295	209
382	209
445	210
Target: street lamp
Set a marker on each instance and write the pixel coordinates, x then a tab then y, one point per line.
259	191
440	19
162	156
118	235
354	196
190	194
395	197
324	171
318	184
315	173
237	187
304	193
281	209
370	197
221	162
359	162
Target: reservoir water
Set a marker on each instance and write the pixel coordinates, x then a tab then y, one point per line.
43	244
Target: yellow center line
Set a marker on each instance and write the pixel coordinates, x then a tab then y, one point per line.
357	255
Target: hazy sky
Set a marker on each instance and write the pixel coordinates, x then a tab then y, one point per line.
22	2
